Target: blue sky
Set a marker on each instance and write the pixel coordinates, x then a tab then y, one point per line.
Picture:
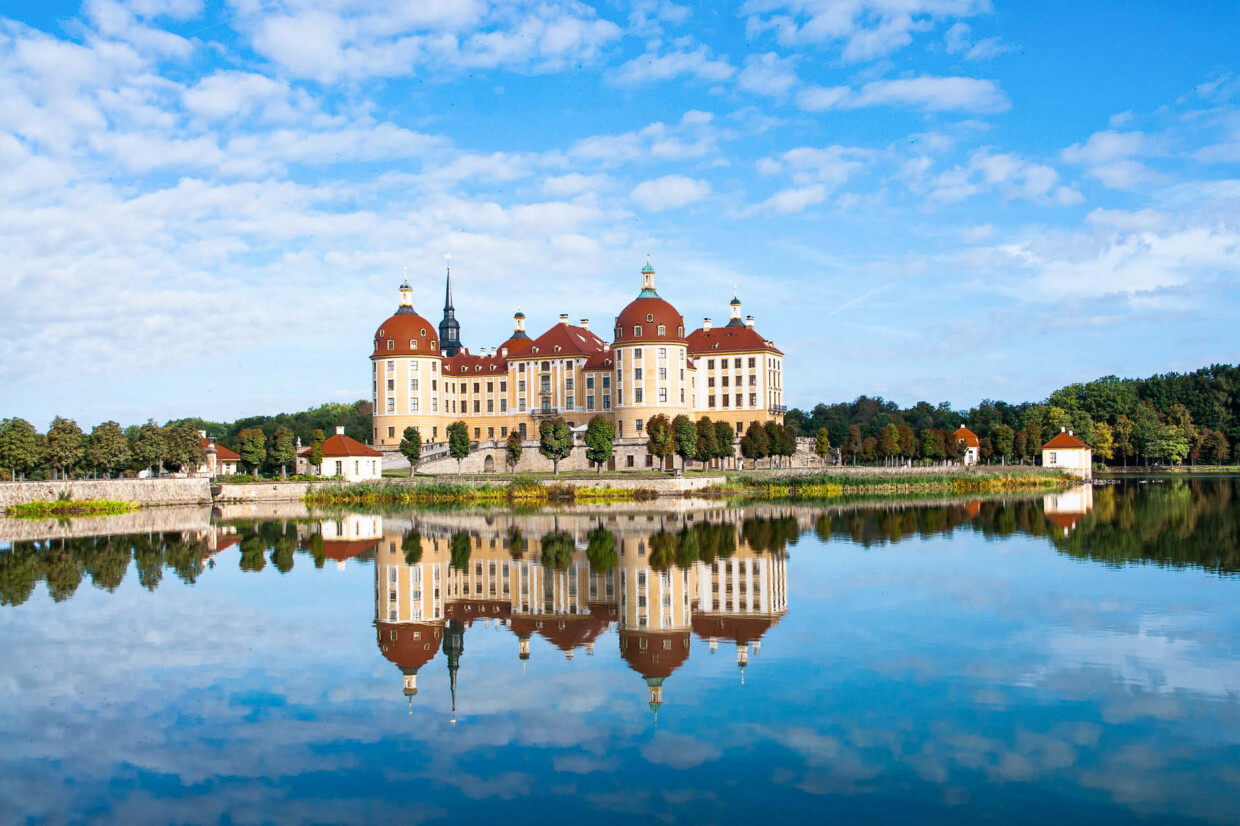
206	207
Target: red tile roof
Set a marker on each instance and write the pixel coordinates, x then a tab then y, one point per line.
572	341
399	645
602	360
652	660
728	340
342	549
341	445
1064	441
222	453
647	314
963	434
466	363
401	329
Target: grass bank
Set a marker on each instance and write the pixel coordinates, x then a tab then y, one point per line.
59	508
833	485
519	490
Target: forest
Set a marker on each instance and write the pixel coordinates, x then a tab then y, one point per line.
1172	418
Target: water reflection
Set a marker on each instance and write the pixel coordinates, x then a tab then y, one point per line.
568	578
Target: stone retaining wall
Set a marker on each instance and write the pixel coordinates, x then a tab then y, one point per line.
261	492
143	491
175	519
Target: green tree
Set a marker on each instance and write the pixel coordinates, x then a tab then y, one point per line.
282	451
600	441
889	442
725	440
316	452
685	432
513	449
557	550
458	442
1122	434
908	441
65	445
107	449
660	438
19	447
822	443
774	441
183	446
932	445
755	444
147	445
252	447
1003	441
411	448
1215	446
459	550
411	544
852	444
1147	429
555	441
707	446
601	550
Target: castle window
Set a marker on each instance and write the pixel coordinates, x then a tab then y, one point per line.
662	352
680	331
637	353
710	364
589	402
606	382
391	365
391	405
637	374
392	435
752	361
637	396
568	402
710	381
413	385
521	405
662	374
413	404
546	365
649	318
639	425
391	385
710	401
737	364
490	387
556	348
740	399
753	399
662	330
423	333
589	382
503	387
477	406
663	394
413	344
503	405
391	344
606	402
637	329
490	405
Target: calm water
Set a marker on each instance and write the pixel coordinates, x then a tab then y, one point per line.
1075	657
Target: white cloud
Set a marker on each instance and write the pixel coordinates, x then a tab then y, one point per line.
959	40
768	74
669	192
693	62
1005	172
868	29
934	94
1109	157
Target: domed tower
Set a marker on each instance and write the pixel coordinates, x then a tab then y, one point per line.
651	358
405	368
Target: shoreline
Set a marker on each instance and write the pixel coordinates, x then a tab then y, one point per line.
809	484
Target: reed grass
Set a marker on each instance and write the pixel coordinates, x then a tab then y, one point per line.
44	509
523	490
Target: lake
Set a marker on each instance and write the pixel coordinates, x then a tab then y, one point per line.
1072	657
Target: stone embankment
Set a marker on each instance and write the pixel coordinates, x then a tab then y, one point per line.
172	519
146	492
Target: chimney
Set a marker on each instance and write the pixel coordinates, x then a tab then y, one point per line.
504	352
1063	430
585	324
339	430
706	325
606	347
1069	432
563	318
749	322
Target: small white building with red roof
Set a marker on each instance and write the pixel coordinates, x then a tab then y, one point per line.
970	444
217	459
345	457
1068	453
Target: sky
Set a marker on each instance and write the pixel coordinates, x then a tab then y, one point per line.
206	207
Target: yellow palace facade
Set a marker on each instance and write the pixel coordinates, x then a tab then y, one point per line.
423	377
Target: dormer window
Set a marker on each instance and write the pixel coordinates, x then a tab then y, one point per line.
413	344
391	344
680	331
650	318
637	329
662	330
423	332
556	348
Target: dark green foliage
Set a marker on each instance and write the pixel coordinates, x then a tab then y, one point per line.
411	544
601	549
460	549
660	438
600	439
65	445
555	441
458	442
19	447
755	444
513	449
557	550
411	448
252	446
283	449
685	433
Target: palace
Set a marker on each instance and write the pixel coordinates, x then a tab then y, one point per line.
423	377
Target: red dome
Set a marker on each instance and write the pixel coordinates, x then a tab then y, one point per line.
409	645
654	654
647	314
402	329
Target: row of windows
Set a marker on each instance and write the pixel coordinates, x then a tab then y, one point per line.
723	381
740	398
736	363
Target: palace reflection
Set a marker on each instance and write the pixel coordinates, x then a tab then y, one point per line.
658	578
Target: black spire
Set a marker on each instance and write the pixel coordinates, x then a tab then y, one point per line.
454	647
449	328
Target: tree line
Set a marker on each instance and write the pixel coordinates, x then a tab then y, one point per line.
1170	418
